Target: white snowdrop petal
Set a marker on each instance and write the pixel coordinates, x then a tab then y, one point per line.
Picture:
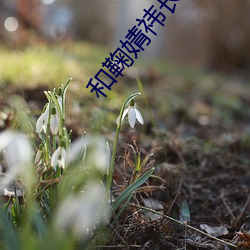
64	154
18	155
54	124
46	113
66	215
19	151
59	99
132	117
5	139
44	127
55	156
124	113
79	214
61	163
77	148
101	155
59	158
42	124
63	158
139	116
38	156
39	123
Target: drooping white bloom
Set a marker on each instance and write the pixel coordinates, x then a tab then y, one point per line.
98	152
79	214
77	149
38	156
42	122
59	157
54	121
59	99
133	114
17	152
54	124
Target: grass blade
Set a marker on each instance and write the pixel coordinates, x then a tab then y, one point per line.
128	191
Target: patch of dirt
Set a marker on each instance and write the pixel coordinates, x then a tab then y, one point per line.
216	186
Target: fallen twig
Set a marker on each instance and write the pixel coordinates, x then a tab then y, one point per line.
184	224
175	198
239	217
226	205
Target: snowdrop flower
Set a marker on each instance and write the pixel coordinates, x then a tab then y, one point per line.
42	122
59	99
133	114
59	157
54	121
17	152
98	152
79	214
77	150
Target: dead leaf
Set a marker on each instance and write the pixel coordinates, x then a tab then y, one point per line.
215	231
245	236
183	208
153	204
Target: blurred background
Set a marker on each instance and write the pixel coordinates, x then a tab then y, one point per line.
200	59
214	34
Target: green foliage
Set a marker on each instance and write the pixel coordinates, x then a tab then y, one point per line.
131	189
67	205
11	239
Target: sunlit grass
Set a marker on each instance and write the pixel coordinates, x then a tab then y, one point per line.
32	66
43	65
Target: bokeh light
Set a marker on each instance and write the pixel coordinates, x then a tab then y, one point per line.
58	31
11	24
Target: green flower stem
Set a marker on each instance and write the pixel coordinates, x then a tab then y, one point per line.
54	142
52	95
47	137
112	164
66	136
65	87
